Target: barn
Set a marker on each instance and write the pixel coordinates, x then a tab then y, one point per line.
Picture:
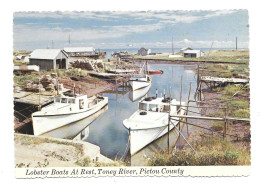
193	53
49	59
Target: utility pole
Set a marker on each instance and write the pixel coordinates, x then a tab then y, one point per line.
172	46
236	43
52	44
69	39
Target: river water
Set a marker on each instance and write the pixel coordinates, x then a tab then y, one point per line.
108	131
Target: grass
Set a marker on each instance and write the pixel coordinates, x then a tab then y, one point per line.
242	113
217	125
209	151
28	140
239	56
21	80
86	162
230	90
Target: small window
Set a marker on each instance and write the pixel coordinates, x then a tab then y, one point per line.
81	103
63	100
57	99
71	101
143	106
153	107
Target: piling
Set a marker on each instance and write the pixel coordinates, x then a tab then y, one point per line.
187	109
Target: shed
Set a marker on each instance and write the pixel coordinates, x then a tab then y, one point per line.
142	51
193	53
49	59
80	51
182	50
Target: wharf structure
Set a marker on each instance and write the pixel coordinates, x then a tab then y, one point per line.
89	52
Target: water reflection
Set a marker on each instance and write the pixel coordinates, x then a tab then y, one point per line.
108	131
160	145
137	94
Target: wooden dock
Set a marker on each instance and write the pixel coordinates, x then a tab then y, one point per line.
32	98
223	80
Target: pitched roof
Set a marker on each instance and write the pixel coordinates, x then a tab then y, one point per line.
192	51
79	49
186	48
46	53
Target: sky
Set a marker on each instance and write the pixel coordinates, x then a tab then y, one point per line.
131	29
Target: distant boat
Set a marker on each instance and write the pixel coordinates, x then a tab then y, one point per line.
140	80
151	120
153	72
137	94
64	111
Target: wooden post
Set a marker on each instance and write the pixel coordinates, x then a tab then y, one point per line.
180	110
79	88
169	120
74	92
129	138
39	107
200	90
187	109
225	125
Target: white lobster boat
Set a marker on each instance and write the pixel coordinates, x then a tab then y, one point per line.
151	120
137	94
140	81
64	111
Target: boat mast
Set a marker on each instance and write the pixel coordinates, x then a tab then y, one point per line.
169	120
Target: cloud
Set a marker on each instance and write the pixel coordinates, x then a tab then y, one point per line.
24	33
124	24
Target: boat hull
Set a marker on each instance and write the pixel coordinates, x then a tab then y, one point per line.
44	124
142	137
155	72
139	84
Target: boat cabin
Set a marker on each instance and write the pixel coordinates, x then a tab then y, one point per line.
78	100
158	105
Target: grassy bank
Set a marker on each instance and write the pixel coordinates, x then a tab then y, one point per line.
208	151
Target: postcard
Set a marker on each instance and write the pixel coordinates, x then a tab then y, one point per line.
131	93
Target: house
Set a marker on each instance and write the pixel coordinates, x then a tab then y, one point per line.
193	53
184	49
144	51
20	57
49	59
80	51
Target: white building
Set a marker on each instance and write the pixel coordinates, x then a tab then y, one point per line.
193	53
142	51
80	51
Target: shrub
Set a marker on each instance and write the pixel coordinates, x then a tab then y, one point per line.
230	90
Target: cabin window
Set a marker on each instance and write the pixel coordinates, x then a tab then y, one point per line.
57	99
71	101
166	108
143	106
81	103
63	100
153	107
